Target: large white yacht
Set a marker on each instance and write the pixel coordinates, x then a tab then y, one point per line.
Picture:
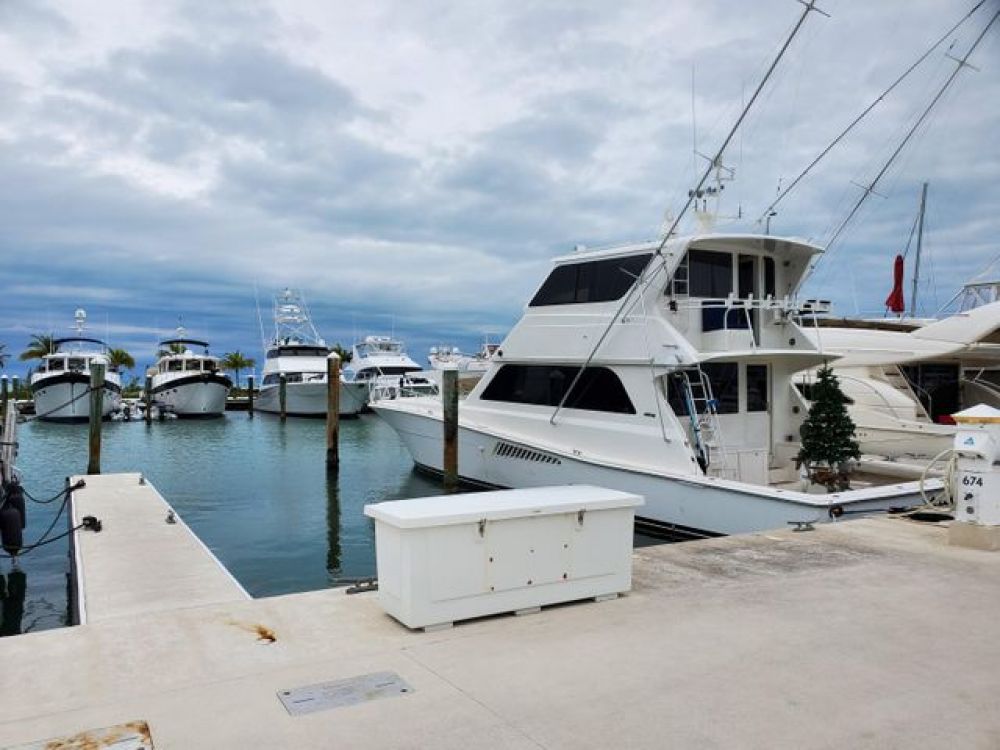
660	368
470	365
60	385
187	383
297	352
905	378
383	366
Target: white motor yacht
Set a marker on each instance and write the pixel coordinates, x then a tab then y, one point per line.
905	378
298	354
60	385
186	383
664	369
450	357
382	365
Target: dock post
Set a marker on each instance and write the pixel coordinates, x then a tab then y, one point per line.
4	396
96	414
282	395
250	394
147	395
333	412
449	396
15	387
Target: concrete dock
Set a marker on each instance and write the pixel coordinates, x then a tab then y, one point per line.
864	634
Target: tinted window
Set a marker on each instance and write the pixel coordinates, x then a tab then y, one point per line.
757	389
710	273
594	281
598	389
725	380
768	276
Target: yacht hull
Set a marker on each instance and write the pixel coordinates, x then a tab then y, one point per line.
309	399
200	395
64	398
697	505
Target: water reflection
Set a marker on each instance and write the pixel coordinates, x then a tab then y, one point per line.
332	526
13	588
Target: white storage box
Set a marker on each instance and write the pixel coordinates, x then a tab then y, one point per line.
454	557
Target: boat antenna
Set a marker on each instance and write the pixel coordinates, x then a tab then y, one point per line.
920	238
768	212
260	320
870	188
643	280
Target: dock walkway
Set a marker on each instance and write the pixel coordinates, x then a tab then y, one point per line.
863	634
140	562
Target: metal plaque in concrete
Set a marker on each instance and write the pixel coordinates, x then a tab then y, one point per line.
367	687
131	736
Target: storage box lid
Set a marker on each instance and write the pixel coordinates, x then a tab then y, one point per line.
444	510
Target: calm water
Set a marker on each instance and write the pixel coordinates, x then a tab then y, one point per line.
254	490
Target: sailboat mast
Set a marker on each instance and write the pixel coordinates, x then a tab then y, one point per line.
920	239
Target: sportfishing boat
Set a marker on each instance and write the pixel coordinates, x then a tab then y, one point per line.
61	384
661	368
186	383
450	357
381	364
297	355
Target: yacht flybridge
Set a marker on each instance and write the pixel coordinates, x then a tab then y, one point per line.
60	386
186	383
381	364
297	354
663	369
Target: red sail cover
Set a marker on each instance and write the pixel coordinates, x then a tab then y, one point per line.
894	302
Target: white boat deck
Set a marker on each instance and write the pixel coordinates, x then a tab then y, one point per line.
864	634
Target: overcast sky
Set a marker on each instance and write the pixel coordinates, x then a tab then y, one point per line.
414	165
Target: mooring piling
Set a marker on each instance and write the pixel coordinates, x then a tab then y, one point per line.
96	414
250	394
4	396
333	412
148	398
449	397
15	388
283	395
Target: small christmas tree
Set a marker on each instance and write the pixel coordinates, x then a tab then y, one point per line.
828	434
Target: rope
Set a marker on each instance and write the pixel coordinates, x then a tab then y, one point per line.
43	539
61	406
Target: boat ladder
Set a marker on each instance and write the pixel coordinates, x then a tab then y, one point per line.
702	409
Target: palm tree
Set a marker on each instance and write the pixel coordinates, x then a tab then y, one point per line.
3	356
345	354
119	358
236	362
40	345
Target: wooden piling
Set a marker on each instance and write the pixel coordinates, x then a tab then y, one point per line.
4	396
283	395
333	412
15	389
449	397
148	397
250	394
96	415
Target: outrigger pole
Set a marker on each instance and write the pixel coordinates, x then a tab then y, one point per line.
641	281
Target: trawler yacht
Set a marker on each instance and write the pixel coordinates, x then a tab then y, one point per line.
381	364
660	368
298	354
186	383
60	385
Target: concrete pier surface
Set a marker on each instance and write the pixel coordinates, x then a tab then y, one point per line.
864	634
